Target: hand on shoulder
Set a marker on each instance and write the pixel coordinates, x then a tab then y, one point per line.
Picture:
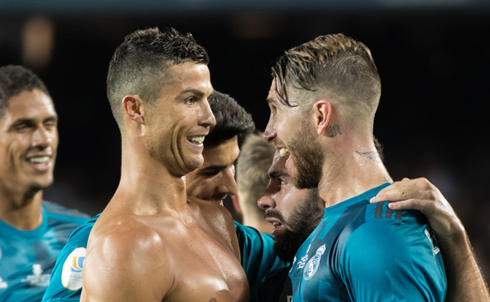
420	194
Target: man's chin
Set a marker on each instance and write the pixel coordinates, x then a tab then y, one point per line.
40	185
286	244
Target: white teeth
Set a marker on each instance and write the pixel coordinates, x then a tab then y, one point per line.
196	139
274	224
38	160
283	152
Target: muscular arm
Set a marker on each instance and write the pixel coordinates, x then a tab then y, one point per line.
465	280
126	266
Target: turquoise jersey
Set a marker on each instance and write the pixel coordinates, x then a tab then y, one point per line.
265	272
368	252
27	257
257	257
66	277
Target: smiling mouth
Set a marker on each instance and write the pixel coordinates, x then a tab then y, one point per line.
277	225
197	140
38	160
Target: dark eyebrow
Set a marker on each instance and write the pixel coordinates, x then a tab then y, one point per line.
198	93
52	118
215	167
20	121
30	121
277	174
270	100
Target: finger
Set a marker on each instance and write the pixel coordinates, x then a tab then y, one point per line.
408	204
395	194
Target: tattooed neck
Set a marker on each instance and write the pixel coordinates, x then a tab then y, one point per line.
333	130
371	155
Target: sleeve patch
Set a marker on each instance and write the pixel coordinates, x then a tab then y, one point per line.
71	277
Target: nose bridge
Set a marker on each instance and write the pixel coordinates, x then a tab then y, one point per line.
207	118
41	136
228	183
269	133
267	201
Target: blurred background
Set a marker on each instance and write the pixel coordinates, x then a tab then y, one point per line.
432	55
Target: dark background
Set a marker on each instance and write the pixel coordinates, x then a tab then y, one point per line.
433	61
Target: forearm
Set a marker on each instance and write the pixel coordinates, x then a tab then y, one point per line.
464	278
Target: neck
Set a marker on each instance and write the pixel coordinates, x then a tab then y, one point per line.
350	171
21	209
146	186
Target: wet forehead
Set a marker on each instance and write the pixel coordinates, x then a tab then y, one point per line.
189	75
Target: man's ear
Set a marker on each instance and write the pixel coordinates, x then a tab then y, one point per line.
322	111
133	108
236	204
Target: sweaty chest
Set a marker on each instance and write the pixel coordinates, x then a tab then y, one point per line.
206	269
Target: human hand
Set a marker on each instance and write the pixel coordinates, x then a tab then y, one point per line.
420	194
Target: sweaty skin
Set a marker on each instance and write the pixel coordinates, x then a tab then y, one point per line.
152	242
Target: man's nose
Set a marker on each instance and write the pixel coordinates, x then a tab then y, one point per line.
41	138
266	201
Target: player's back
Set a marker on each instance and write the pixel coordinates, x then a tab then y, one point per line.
166	256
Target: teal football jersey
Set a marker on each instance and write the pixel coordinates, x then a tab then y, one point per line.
368	252
27	257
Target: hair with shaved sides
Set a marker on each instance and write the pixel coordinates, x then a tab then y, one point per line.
139	63
335	65
15	79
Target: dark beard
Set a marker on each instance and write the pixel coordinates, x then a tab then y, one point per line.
308	159
302	222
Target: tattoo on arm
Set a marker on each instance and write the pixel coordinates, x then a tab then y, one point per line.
371	155
334	130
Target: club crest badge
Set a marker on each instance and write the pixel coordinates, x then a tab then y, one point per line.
71	277
312	266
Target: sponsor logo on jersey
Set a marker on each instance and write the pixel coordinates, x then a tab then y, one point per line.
302	261
71	276
312	265
37	278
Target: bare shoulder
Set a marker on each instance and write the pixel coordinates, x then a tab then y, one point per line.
123	252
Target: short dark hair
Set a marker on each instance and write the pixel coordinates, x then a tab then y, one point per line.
15	79
137	65
334	62
231	120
